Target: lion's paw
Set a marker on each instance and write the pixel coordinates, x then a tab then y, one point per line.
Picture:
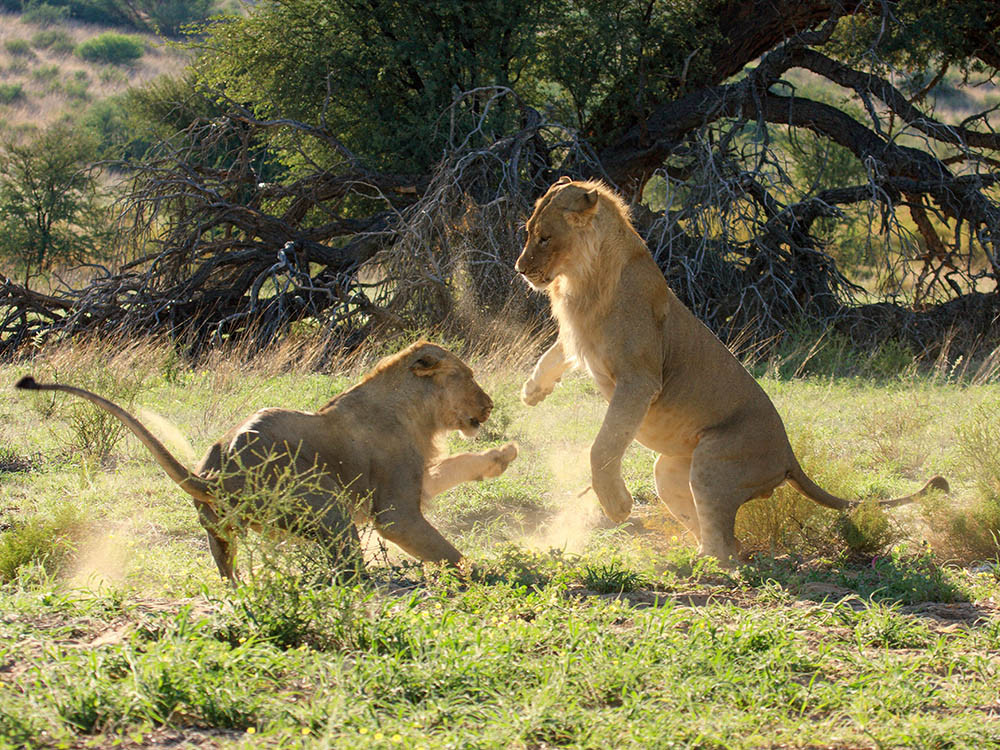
532	393
615	499
500	459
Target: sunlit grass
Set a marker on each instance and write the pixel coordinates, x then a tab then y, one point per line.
567	631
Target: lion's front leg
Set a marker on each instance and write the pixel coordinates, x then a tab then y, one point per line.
548	371
466	467
408	529
626	411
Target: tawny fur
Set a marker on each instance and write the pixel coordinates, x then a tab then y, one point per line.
371	455
670	383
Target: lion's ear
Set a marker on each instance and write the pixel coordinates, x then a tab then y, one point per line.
564	180
426	364
581	208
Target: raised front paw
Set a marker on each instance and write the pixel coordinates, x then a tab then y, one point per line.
532	393
500	459
615	498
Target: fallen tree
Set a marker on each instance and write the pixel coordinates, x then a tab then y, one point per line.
224	244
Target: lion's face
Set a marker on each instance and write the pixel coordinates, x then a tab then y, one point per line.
463	405
554	230
546	249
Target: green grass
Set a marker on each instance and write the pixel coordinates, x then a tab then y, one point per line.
115	629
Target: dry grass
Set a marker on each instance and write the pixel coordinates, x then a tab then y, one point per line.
44	73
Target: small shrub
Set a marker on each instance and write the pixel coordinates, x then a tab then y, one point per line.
46	73
972	531
112	76
866	531
77	88
611	578
11	93
112	49
978	440
19	48
96	434
43	14
171	16
54	40
46	541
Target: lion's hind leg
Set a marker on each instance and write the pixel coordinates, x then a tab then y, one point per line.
221	542
727	470
672	475
317	507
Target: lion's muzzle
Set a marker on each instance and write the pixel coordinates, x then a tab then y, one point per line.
538	278
474	421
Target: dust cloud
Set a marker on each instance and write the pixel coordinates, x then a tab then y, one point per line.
100	560
172	437
578	512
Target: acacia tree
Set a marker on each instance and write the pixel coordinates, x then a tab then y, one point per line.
50	208
762	141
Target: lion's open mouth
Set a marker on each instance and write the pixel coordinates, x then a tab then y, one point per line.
471	427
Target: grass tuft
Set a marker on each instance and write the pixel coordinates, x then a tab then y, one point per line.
40	541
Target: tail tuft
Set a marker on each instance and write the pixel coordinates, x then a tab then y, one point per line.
27	383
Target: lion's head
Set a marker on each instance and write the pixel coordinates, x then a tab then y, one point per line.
460	403
559	236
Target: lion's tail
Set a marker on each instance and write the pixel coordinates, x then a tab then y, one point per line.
192	484
801	482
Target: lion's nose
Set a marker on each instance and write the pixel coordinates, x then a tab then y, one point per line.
487	408
519	265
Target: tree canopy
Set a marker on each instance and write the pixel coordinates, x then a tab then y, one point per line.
368	163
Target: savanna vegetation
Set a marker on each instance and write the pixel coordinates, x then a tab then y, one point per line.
874	629
210	208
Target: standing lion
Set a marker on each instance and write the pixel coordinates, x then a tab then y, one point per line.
670	383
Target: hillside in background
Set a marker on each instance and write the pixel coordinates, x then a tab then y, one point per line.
43	76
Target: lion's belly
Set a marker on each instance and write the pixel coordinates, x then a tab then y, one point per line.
664	430
670	432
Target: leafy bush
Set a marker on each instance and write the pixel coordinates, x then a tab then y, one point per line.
972	532
44	14
96	432
11	92
866	531
46	73
111	48
109	120
978	440
54	40
45	541
19	48
170	16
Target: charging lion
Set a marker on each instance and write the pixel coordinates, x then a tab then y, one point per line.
375	445
670	383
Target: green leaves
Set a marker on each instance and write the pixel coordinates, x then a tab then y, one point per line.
50	205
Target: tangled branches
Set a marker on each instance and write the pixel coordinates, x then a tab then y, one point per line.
756	196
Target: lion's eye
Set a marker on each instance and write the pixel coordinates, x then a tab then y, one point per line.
543	240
